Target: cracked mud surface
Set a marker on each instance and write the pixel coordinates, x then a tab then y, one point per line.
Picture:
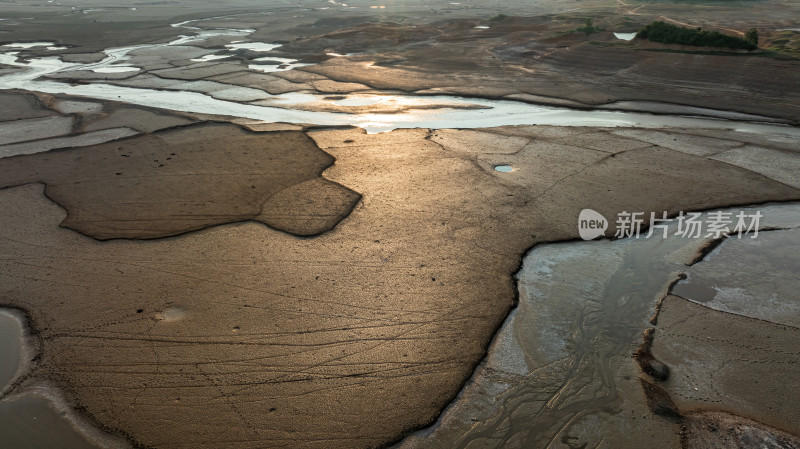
359	330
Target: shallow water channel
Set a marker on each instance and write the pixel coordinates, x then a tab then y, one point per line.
434	112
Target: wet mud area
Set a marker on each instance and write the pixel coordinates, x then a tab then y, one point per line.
188	178
733	352
559	373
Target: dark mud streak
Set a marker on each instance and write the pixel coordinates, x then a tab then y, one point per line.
701	254
658	400
654	319
644	357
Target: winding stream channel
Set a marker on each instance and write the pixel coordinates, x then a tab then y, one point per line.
434	112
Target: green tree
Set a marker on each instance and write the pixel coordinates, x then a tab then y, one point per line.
589	23
752	36
671	34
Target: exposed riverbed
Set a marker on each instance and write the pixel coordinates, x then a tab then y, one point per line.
411	111
559	369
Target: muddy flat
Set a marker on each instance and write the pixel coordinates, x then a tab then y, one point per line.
354	225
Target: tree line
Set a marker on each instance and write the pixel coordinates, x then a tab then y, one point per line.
672	34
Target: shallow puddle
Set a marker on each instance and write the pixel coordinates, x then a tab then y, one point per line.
10	343
28	44
210	57
117	69
503	168
625	36
171	314
696	289
29	422
255	46
279	66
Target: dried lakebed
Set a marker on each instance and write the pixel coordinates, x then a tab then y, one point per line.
559	369
578	354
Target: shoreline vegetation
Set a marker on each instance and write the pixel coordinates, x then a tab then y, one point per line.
666	33
589	27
